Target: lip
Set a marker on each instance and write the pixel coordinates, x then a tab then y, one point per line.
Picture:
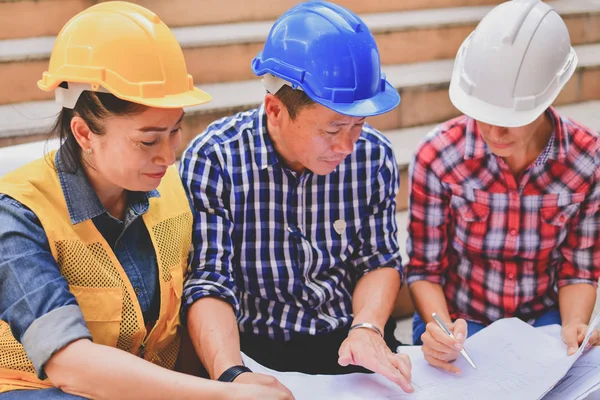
157	176
500	145
333	162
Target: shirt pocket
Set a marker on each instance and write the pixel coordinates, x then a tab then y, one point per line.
471	224
555	223
102	309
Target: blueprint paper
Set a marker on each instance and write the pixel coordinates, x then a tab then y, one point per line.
514	361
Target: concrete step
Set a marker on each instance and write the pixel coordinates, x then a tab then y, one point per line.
46	17
423	87
222	53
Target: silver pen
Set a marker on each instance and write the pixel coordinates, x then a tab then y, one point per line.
463	351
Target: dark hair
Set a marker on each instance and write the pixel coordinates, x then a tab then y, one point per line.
294	100
93	108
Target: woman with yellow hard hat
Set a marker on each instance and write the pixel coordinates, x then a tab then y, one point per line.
95	237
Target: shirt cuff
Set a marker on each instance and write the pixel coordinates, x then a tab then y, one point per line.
572	281
415	277
51	332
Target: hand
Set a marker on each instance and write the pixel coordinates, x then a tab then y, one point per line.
573	335
261	386
367	349
440	349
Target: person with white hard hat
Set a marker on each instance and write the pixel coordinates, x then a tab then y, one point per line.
95	237
505	200
296	261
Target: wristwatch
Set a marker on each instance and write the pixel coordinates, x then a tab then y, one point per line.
233	372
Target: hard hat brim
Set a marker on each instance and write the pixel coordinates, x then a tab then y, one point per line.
381	103
191	98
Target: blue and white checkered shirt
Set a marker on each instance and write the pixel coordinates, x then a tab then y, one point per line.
286	249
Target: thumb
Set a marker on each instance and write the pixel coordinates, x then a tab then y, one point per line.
459	330
345	356
570	338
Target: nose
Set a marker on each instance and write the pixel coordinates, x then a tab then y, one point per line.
166	154
345	145
497	133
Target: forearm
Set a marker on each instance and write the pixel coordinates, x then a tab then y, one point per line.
214	332
102	372
375	295
576	303
428	298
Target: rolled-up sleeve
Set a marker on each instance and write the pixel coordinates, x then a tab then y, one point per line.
35	300
379	230
212	242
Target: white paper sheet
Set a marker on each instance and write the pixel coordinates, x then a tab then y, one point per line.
514	360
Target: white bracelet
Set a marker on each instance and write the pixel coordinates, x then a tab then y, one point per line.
366	325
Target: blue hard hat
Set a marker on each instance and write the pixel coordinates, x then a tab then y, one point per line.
328	52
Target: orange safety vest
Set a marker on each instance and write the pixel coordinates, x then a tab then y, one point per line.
95	276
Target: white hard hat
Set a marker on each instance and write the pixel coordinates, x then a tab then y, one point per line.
513	65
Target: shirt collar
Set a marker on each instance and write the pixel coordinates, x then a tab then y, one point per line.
265	154
82	201
556	149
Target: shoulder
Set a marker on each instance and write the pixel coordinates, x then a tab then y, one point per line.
374	144
224	133
449	136
581	138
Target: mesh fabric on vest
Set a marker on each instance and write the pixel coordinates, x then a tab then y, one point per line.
90	266
173	243
13	354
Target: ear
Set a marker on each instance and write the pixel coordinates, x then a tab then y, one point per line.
274	109
82	133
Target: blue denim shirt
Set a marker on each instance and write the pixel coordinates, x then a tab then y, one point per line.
34	297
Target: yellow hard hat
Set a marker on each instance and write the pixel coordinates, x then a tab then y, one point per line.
128	51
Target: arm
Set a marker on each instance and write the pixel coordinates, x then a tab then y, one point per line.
374	297
576	303
578	273
209	292
101	372
45	318
427	248
427	237
377	289
217	342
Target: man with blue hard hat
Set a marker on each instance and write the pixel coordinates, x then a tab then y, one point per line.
295	257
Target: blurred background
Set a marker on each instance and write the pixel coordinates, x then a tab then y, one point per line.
417	39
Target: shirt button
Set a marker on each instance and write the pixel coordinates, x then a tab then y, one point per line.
511	276
513	232
136	290
561	218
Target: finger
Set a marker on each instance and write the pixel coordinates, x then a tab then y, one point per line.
345	356
432	342
402	363
459	329
581	331
388	370
442	337
443	365
570	339
594	338
438	355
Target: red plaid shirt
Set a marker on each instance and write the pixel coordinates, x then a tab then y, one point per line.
501	246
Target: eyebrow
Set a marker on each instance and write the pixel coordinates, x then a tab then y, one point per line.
340	123
159	128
